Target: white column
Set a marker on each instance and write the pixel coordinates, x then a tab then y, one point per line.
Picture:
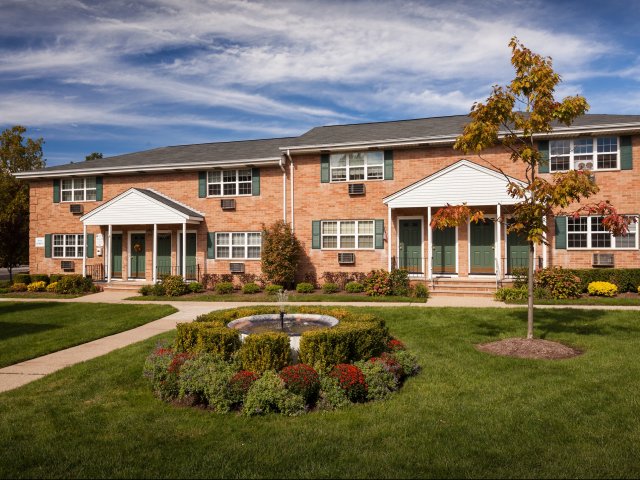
109	258
389	243
499	242
84	250
545	247
155	252
429	246
184	251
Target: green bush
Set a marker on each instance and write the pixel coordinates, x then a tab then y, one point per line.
40	277
4	290
265	351
74	284
240	384
145	290
158	290
421	291
281	252
354	287
174	285
195	287
380	382
268	394
399	282
377	283
55	277
22	278
626	279
223	288
196	337
52	287
272	289
602	289
330	288
332	396
520	276
19	287
162	369
250	288
558	282
206	379
304	287
36	286
520	294
407	361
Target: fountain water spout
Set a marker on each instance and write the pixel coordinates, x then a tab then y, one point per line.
283	296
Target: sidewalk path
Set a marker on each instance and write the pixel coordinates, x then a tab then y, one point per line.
22	373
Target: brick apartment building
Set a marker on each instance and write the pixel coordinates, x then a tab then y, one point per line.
358	196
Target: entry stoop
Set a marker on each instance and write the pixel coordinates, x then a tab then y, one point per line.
463	287
120	285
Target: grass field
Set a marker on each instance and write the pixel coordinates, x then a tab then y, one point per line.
29	330
468	414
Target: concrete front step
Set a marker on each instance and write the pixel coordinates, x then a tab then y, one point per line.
129	286
458	293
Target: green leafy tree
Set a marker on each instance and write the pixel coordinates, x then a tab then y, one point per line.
512	117
17	154
93	156
280	253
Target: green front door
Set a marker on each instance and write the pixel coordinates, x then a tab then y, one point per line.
137	255
410	245
517	251
444	250
116	255
191	255
163	261
482	235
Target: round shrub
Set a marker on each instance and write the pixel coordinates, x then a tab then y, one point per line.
37	286
22	278
302	380
74	284
223	288
250	288
558	282
408	361
272	289
354	287
380	382
332	396
304	287
162	369
377	283
195	287
145	290
240	384
158	290
205	378
19	287
390	364
351	380
52	287
330	288
268	394
174	285
421	291
602	289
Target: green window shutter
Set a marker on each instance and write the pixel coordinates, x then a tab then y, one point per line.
388	165
56	191
90	245
47	245
324	168
202	184
379	233
626	154
99	189
255	182
315	234
543	148
561	233
211	245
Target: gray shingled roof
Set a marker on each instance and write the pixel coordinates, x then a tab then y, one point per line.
168	202
420	128
186	154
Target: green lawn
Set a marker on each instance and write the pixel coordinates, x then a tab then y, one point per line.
293	297
29	330
43	295
605	301
468	414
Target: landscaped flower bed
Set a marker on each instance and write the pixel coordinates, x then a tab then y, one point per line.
356	361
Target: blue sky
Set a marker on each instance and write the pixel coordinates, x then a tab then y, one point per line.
122	76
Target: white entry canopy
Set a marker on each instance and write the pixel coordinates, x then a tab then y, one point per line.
463	182
138	206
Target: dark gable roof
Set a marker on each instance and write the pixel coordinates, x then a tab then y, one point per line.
185	154
421	128
168	202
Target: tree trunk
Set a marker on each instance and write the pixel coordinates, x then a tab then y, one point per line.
530	294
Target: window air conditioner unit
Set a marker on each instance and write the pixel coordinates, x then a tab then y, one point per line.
236	267
603	259
228	203
346	258
356	189
75	208
585	165
66	265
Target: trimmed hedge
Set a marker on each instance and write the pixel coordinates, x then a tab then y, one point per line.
626	279
265	351
212	338
22	278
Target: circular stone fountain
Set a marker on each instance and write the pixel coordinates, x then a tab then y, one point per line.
293	324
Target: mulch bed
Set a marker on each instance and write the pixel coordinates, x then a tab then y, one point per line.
535	348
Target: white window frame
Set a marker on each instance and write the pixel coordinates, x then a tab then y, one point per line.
347	168
633	229
230	246
339	235
78	246
237	182
575	163
74	190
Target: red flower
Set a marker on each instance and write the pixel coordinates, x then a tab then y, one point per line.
242	381
395	345
352	381
303	380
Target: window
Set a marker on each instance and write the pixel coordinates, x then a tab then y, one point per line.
68	246
227	183
238	245
583	154
347	234
357	166
588	232
78	189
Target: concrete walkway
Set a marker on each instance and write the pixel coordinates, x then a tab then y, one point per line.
22	373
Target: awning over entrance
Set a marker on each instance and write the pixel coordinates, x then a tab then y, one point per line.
463	182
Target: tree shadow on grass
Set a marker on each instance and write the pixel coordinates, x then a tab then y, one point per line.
13	307
16	329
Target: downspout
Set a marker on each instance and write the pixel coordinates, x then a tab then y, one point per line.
292	196
284	188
